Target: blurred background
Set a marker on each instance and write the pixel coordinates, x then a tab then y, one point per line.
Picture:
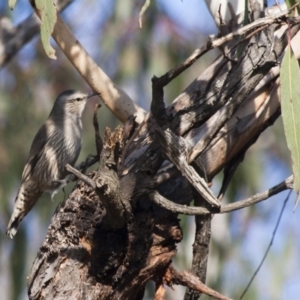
130	55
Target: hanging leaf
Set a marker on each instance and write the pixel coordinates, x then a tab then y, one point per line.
12	3
48	19
290	107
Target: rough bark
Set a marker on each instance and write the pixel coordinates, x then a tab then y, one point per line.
85	257
200	247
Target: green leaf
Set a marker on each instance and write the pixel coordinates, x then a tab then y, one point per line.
48	19
12	3
290	107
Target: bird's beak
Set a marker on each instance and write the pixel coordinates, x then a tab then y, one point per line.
92	94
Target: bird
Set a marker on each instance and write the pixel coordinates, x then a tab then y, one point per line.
57	143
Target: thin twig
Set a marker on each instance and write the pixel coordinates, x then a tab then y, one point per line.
284	185
187	278
178	208
98	140
269	247
188	210
211	44
89	161
81	176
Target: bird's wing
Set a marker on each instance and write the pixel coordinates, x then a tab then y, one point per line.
36	150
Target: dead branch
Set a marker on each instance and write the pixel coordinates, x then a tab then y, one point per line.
284	185
200	247
211	44
178	208
186	210
81	176
98	140
187	278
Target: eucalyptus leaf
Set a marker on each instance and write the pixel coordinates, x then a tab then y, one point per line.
48	19
290	106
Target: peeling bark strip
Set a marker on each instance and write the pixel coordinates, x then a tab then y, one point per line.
112	235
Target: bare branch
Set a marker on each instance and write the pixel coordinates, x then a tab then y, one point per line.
200	247
211	44
113	97
187	210
187	278
178	208
285	185
98	140
81	176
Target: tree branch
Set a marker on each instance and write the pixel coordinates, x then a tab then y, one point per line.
284	185
178	208
200	247
98	140
211	44
81	176
113	97
175	149
187	278
187	210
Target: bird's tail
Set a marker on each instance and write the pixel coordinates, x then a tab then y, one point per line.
12	226
25	200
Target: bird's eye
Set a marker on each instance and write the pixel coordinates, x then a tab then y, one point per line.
78	99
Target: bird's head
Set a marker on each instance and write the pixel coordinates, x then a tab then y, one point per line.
71	102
